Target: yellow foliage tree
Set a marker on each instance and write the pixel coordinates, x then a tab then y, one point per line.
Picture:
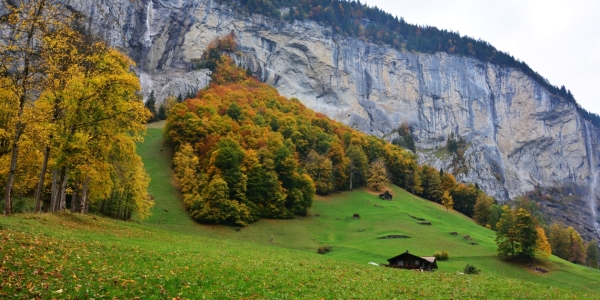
447	200
482	209
21	73
186	163
542	246
378	178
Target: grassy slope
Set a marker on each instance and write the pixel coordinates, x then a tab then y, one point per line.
63	256
355	240
74	256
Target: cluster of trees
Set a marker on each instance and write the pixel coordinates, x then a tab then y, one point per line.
521	232
518	236
164	108
457	147
243	152
567	244
352	18
69	117
405	138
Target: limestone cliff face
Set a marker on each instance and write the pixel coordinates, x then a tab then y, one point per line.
520	137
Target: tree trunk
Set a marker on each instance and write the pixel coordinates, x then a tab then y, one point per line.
75	197
40	188
351	176
54	191
11	173
63	188
83	204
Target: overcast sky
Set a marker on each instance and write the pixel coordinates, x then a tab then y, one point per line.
558	39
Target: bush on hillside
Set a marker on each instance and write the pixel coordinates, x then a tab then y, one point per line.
471	269
441	255
324	249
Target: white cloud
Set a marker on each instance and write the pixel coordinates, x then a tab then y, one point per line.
558	39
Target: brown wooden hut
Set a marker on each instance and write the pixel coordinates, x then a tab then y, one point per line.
409	261
385	196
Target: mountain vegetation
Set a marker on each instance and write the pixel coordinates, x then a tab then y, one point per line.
357	20
243	152
70	117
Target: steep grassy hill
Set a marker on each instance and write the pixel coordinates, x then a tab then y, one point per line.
66	256
330	222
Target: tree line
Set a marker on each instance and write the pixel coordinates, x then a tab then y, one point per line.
354	19
522	232
244	152
70	117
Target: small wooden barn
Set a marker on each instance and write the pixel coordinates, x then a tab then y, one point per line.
385	196
409	261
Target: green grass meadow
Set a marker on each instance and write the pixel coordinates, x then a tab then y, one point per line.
169	256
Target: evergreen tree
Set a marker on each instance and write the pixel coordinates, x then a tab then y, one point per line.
162	112
592	254
151	106
495	214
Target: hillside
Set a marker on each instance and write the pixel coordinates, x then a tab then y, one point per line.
90	256
74	256
355	240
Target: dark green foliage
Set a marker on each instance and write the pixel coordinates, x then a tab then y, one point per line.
357	167
406	139
526	233
151	106
432	188
234	111
228	159
592	254
464	197
516	235
324	249
471	269
458	148
162	112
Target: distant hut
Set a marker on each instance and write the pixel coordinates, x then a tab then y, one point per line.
409	261
385	196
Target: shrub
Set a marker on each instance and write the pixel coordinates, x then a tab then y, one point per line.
441	255
324	249
445	255
470	269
